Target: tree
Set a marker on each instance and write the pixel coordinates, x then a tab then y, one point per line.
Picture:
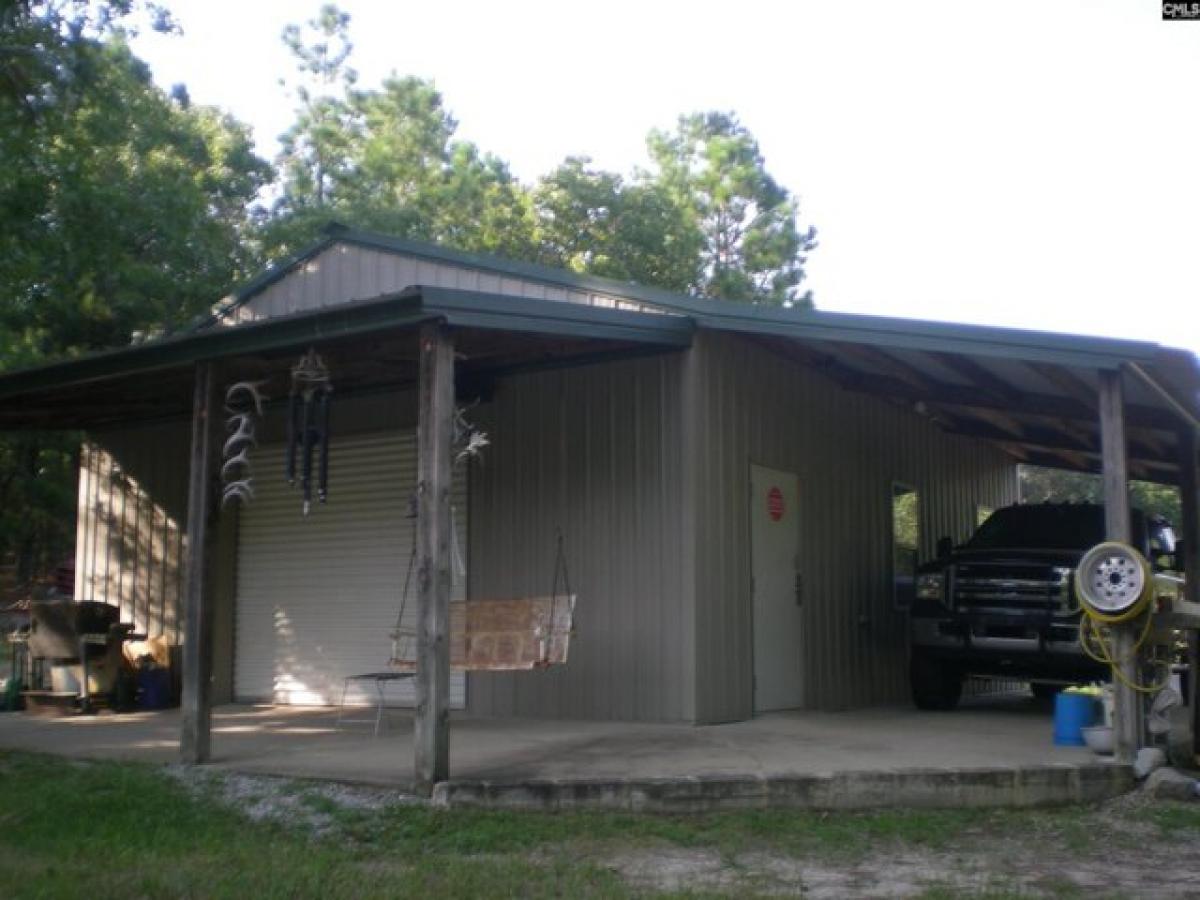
124	211
481	207
384	159
408	176
45	48
314	148
707	219
127	212
596	222
752	247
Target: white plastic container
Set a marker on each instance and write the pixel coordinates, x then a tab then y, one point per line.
1099	739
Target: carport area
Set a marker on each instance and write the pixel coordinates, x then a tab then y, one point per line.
996	750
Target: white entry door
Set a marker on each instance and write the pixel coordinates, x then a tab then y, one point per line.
775	545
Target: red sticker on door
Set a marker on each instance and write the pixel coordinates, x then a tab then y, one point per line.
775	504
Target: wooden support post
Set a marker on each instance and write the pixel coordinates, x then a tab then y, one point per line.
1127	713
435	425
194	740
1189	525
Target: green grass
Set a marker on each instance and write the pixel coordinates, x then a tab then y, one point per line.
108	830
102	829
1173	818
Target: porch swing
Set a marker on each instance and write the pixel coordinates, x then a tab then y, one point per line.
494	635
489	635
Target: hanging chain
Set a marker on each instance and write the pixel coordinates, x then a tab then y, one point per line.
561	575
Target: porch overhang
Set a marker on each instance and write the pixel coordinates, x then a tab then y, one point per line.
1032	394
373	342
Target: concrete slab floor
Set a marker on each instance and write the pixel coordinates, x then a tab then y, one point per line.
1004	732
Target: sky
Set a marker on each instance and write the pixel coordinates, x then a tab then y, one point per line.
1028	163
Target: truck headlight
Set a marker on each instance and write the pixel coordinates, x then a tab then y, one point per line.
931	586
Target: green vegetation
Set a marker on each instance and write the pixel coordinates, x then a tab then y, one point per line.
1040	484
100	829
113	830
1173	819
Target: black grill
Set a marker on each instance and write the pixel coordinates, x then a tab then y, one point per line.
1002	586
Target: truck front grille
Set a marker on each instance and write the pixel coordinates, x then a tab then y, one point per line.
1010	587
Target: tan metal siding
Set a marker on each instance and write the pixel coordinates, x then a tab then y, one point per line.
345	272
129	531
596	451
847	448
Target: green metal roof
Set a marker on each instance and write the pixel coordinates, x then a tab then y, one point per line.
464	309
1049	347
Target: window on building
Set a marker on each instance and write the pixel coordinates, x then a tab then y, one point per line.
906	543
983	513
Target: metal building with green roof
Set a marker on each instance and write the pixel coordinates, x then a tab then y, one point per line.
641	425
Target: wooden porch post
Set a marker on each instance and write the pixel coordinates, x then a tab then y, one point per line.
194	740
1189	495
1127	714
435	422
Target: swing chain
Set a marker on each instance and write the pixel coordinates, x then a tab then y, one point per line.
561	574
399	649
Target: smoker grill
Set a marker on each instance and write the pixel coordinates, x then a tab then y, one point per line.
84	634
55	629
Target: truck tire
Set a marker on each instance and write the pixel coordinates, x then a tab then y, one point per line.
1043	690
935	684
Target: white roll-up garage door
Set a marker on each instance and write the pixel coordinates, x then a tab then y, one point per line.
317	597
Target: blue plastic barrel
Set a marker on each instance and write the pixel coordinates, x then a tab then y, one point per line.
154	688
1072	714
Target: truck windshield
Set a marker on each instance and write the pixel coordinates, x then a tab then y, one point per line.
1041	527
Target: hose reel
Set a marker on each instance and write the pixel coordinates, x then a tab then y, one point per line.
1114	584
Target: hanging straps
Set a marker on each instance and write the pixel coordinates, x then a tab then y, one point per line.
561	576
397	649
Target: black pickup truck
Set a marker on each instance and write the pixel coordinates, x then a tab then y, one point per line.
1003	604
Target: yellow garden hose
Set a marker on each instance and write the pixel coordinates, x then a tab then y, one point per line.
1114	585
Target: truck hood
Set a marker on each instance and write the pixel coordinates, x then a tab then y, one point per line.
1014	555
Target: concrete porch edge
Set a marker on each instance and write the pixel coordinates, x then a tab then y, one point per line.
1021	786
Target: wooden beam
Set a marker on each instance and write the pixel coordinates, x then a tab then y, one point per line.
1053	457
1003	421
1189	495
977	375
435	426
963	396
921	381
879	359
1067	382
1127	724
1075	388
1047	439
195	736
956	395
